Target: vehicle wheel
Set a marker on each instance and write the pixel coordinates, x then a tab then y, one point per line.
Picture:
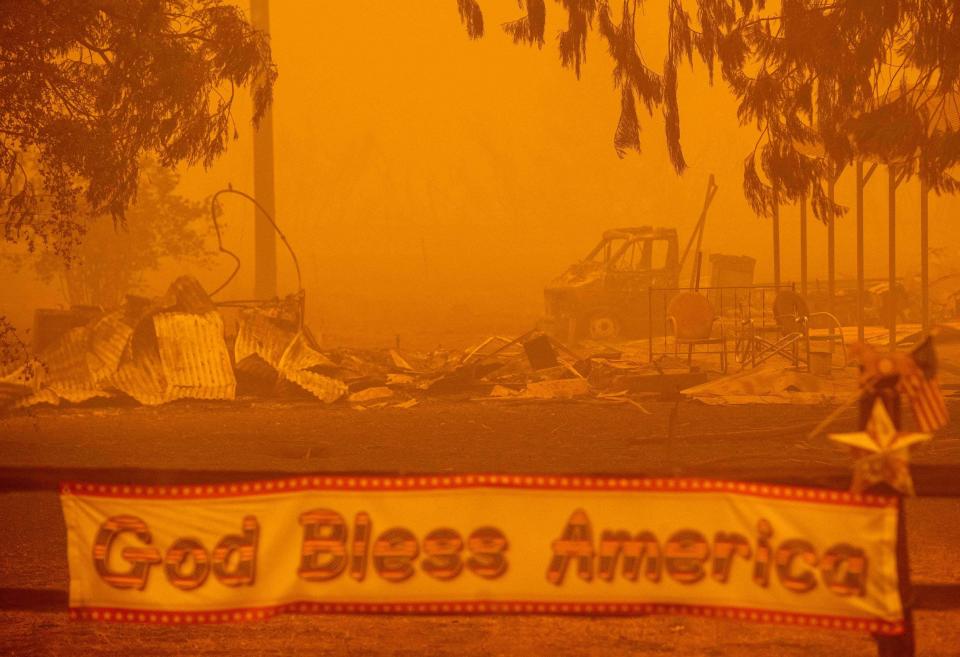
603	325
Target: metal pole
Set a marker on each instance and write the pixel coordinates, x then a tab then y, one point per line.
892	248
831	251
900	645
776	242
803	246
265	239
924	256
860	284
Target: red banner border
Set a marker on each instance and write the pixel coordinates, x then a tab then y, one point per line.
459	481
120	615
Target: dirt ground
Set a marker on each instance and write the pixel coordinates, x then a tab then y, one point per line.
436	436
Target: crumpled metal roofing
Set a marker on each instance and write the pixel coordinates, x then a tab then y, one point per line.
108	336
167	348
289	352
157	351
76	367
141	377
295	365
262	335
177	355
194	356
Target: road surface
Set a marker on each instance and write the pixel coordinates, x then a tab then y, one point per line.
435	436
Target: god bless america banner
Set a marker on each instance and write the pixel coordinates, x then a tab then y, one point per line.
482	544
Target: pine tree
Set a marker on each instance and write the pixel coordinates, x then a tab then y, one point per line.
824	81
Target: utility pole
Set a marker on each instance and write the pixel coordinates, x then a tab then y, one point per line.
265	238
892	251
803	246
776	242
862	180
924	255
831	250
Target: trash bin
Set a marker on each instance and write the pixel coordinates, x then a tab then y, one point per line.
731	271
820	362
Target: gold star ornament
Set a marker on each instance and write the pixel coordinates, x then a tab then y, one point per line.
883	454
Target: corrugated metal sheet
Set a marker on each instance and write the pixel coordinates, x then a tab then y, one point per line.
295	363
167	355
65	371
264	336
108	337
299	355
78	365
322	387
194	356
141	377
289	352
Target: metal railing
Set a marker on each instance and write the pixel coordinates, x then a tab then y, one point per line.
734	306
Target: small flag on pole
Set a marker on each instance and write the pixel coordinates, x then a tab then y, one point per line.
919	383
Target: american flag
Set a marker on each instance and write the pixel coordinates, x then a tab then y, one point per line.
919	383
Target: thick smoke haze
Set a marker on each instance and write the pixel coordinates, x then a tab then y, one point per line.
432	184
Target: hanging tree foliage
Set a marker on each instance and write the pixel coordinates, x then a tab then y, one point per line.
112	262
824	81
89	87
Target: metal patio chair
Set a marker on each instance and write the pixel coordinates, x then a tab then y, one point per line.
692	320
754	347
795	322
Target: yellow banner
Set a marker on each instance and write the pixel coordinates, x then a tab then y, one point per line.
482	544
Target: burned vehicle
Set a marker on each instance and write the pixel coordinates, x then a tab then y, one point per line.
605	295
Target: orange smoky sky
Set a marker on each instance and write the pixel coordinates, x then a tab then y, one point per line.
428	181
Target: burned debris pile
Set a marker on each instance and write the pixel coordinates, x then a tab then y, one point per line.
152	350
271	349
179	345
183	345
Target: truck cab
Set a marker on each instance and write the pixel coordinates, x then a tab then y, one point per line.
605	295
